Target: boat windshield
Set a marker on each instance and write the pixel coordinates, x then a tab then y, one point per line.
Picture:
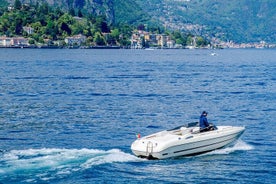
189	125
193	124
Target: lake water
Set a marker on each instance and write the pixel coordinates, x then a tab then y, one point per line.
70	116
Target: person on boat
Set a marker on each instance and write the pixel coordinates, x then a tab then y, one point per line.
204	125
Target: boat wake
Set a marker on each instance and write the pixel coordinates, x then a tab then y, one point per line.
35	165
238	146
46	164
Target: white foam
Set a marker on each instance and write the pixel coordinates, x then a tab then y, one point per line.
238	146
62	161
110	156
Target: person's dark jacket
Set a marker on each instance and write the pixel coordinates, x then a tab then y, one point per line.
203	122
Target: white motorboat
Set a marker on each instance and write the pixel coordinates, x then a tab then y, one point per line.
185	140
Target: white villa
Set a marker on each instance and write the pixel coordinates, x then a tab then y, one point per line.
13	41
75	40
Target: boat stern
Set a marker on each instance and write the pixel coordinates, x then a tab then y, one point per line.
142	147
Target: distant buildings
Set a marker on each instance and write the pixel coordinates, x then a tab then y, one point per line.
143	39
75	40
5	41
13	41
216	43
139	40
29	30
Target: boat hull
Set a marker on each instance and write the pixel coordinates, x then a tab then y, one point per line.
168	144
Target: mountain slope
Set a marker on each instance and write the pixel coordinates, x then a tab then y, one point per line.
95	7
240	21
116	11
129	12
236	20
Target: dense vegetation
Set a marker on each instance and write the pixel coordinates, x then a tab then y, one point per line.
53	24
129	12
240	21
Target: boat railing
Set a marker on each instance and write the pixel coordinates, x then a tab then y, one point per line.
149	148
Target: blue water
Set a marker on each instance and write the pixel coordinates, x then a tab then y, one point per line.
70	116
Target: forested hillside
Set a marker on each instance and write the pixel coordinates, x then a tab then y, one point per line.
42	23
93	7
240	21
237	20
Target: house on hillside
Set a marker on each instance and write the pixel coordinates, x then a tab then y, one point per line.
29	30
75	40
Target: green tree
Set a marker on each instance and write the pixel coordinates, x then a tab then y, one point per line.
80	13
64	23
31	41
190	40
44	8
17	4
57	13
65	28
77	28
18	26
101	25
36	26
98	39
115	33
110	40
51	29
201	42
179	38
72	12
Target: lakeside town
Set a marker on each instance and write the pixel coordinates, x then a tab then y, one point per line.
139	40
52	28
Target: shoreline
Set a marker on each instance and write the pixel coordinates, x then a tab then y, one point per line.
119	47
61	47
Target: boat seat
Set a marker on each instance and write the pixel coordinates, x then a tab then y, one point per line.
185	130
195	130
